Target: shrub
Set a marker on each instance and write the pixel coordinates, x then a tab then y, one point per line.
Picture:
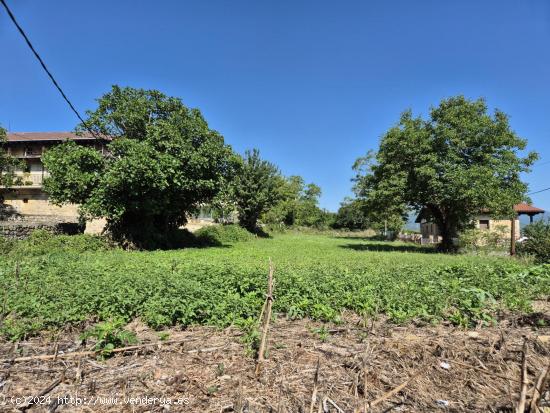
6	245
537	243
222	234
42	242
108	336
476	240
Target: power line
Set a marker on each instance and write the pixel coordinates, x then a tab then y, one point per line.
536	192
12	17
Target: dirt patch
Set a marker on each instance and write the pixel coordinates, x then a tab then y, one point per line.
442	368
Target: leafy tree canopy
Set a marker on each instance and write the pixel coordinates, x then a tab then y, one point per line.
161	162
351	215
458	162
8	164
298	204
256	189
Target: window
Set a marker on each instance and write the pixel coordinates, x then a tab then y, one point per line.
25	200
483	224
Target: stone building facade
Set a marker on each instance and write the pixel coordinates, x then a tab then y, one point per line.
27	200
431	233
27	205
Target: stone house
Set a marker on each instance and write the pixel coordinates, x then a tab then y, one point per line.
27	198
430	232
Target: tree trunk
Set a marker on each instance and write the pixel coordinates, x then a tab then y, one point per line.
447	242
447	229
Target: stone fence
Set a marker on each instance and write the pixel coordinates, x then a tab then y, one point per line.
21	226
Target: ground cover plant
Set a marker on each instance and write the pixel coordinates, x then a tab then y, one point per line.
537	242
316	276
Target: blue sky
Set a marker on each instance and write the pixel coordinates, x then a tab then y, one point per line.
312	84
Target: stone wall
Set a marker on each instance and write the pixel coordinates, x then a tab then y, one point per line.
32	201
21	227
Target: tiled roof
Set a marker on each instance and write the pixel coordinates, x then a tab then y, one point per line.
527	209
522	208
46	136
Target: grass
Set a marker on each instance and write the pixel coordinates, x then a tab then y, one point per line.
316	276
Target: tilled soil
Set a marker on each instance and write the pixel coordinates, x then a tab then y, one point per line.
348	367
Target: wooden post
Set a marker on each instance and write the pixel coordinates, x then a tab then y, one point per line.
513	237
266	317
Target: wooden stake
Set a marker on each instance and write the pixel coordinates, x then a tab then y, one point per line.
365	382
513	236
56	349
17	273
315	383
267	318
523	392
539	388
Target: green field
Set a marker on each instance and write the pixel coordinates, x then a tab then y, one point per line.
316	276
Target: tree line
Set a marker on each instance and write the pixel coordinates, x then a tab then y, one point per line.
163	161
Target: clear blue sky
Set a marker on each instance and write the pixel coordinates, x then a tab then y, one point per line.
312	84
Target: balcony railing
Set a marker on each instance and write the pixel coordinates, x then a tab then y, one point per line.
29	180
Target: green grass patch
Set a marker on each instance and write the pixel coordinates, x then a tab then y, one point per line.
315	276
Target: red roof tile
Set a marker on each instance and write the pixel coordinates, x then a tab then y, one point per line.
527	209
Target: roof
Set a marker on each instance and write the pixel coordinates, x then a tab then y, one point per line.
524	208
424	214
46	136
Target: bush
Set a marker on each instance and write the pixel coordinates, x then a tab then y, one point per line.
6	245
108	336
478	240
42	242
537	243
222	234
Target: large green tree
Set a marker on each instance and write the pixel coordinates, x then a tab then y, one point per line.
297	204
255	189
458	162
161	162
351	215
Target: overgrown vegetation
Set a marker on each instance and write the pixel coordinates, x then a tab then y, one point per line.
160	161
44	243
216	235
316	276
458	162
297	206
351	216
537	243
255	189
8	165
107	336
483	241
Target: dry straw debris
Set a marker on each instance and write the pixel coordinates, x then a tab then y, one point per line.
377	368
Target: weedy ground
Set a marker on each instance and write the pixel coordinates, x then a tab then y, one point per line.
364	317
54	283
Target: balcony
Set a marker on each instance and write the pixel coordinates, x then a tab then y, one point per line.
29	180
